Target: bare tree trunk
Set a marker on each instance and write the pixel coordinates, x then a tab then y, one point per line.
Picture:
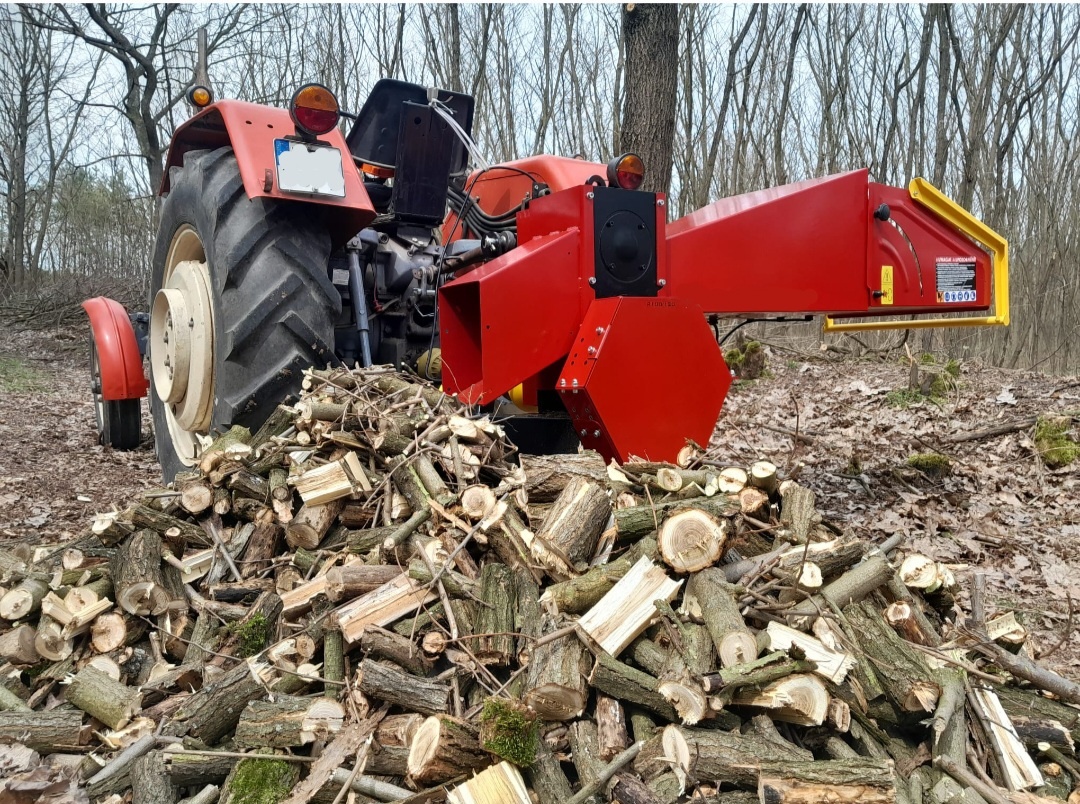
651	37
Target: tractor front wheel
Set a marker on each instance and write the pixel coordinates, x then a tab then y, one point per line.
241	303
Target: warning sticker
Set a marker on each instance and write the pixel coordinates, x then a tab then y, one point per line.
886	284
955	279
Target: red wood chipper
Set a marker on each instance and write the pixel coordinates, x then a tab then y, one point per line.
552	282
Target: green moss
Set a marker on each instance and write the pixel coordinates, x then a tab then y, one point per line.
510	731
926	359
262	781
253	635
733	357
952	368
1053	441
18	378
751	347
930	464
903	398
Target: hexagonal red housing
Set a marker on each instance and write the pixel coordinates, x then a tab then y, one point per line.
645	375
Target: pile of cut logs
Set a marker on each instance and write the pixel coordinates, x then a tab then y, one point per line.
374	598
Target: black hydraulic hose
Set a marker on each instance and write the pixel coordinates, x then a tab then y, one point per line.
359	303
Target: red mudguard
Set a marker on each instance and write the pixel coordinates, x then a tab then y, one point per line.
251	130
118	351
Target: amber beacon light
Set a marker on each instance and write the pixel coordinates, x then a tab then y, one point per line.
626	171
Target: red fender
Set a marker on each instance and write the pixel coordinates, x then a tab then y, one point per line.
118	351
250	129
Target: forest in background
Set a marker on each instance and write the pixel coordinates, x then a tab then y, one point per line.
980	99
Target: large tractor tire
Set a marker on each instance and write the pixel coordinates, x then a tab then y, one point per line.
241	303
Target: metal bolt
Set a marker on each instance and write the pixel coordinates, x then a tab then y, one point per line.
661	282
599	330
592	280
562	382
574	383
659	202
592	350
191	323
584	432
590	196
595	433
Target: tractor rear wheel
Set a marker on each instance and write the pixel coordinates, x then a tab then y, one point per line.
241	303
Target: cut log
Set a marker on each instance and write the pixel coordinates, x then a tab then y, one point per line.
444	748
379	643
556	688
387	683
923	573
633	523
851	587
381	606
721	756
763	476
50	642
311	523
212	712
111	702
731	480
611	728
571	529
496	618
905	677
757	673
137	577
500	783
547	475
259	780
288	722
857	780
24	599
477	502
625	611
710	597
692	540
150	782
754	502
17	645
196	497
632	686
48	732
797	511
800	699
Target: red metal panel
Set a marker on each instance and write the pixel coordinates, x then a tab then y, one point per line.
800	248
251	129
118	351
644	376
509	319
914	242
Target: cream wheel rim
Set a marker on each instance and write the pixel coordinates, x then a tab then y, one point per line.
182	344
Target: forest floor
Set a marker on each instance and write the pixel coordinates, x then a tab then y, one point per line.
1000	509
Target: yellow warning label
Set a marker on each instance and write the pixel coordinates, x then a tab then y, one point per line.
886	284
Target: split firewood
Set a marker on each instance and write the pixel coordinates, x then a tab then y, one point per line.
502	783
442	749
627	609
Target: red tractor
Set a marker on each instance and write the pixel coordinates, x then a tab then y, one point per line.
554	282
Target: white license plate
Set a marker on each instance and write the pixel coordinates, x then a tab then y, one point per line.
306	168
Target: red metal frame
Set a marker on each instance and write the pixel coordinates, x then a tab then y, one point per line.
118	351
251	129
654	375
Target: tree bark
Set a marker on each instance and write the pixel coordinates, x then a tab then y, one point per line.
650	33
